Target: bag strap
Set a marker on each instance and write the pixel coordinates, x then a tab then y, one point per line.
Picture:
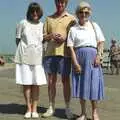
99	52
94	30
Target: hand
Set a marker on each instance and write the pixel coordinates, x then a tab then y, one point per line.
97	61
53	36
59	39
77	68
49	37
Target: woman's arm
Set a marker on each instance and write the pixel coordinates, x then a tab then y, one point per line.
100	48
17	41
99	56
77	67
19	30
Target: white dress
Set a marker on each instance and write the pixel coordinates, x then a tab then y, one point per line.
28	57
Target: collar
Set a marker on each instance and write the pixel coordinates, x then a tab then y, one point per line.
83	27
65	13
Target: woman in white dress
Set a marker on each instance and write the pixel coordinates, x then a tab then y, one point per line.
28	58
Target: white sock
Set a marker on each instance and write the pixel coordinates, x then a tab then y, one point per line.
51	105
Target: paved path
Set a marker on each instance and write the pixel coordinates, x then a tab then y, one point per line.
12	103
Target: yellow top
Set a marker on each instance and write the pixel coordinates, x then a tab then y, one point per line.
57	25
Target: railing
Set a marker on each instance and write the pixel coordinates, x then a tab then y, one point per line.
8	57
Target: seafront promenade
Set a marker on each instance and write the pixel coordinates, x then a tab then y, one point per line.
12	103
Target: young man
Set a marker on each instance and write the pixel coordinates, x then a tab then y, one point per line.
56	59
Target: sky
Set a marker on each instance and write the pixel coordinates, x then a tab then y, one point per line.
104	12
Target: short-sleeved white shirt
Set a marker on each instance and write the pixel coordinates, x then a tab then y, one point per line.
30	45
85	35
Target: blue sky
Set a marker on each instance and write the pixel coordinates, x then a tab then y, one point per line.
105	13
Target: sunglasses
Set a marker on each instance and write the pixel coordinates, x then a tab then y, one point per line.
86	13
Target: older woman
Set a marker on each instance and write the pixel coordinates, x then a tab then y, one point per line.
85	40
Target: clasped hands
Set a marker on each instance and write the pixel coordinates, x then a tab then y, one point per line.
57	37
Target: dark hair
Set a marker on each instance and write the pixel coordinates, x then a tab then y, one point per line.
66	1
34	7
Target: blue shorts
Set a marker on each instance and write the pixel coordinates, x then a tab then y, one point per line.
57	64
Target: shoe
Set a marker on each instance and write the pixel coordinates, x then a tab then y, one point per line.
27	115
96	117
49	112
82	117
35	115
68	113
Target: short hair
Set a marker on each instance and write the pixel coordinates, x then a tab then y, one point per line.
34	7
66	1
82	6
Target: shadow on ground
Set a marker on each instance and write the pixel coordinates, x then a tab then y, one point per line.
13	108
59	113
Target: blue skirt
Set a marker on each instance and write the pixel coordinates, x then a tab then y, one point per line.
89	84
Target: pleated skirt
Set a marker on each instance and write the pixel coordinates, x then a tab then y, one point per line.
89	84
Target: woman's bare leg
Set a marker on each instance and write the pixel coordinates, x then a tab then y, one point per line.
94	110
35	97
27	96
83	107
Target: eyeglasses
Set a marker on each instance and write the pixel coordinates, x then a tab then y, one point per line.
86	13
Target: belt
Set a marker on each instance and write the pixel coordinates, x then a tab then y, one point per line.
86	46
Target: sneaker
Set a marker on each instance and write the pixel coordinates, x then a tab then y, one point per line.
68	113
96	117
27	115
48	113
35	115
82	118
